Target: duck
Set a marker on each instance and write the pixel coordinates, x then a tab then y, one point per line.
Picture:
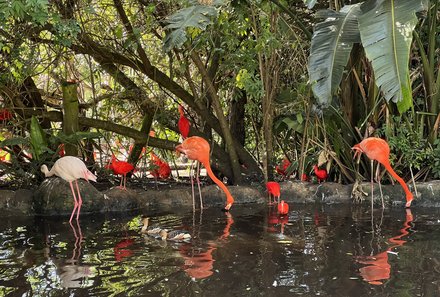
150	230
174	235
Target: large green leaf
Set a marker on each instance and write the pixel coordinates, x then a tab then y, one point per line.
196	16
38	138
386	28
332	42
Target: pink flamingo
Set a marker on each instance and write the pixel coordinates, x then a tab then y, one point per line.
197	148
71	169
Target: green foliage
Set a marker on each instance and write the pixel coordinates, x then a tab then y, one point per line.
196	16
435	167
385	28
37	139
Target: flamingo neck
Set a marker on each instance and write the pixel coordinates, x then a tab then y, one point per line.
229	198
46	171
409	195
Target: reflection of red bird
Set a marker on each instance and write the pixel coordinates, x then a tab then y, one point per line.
121	250
283	208
120	168
282	169
378	149
70	169
197	148
321	174
162	170
378	268
183	123
273	189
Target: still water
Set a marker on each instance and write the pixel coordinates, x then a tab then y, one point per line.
314	251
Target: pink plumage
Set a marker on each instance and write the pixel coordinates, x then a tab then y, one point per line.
70	169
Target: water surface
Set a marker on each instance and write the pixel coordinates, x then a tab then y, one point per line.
314	251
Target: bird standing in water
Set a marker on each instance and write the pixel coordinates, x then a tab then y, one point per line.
283	208
378	149
175	235
196	148
273	189
120	168
71	169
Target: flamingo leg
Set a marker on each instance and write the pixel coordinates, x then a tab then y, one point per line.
192	185
380	185
372	186
79	200
198	185
75	201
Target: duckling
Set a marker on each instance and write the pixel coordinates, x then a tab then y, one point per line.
150	230
175	235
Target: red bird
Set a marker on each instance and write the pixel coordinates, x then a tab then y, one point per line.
183	123
163	170
321	174
61	151
273	189
5	114
282	169
378	149
120	168
196	148
283	208
304	177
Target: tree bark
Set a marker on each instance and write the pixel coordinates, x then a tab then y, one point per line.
70	115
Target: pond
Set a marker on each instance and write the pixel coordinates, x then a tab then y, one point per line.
315	251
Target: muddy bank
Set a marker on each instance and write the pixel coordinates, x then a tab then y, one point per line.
54	197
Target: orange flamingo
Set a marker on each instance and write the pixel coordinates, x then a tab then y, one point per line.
273	189
120	168
321	174
378	268
378	149
70	169
183	123
196	148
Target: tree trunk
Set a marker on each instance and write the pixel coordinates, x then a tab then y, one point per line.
70	115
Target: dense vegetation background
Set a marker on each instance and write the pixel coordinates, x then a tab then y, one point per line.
262	80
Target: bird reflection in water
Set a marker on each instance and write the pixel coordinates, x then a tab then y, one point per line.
199	264
71	272
378	269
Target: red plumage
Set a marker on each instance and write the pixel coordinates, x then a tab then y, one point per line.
5	114
183	123
321	174
283	208
273	188
282	169
120	168
163	169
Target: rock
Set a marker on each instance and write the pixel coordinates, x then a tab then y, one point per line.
116	199
54	197
16	203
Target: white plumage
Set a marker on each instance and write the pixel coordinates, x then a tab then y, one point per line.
71	169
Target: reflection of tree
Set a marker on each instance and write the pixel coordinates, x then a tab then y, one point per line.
378	269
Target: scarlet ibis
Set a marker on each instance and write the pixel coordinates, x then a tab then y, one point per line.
273	189
283	208
321	174
120	168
